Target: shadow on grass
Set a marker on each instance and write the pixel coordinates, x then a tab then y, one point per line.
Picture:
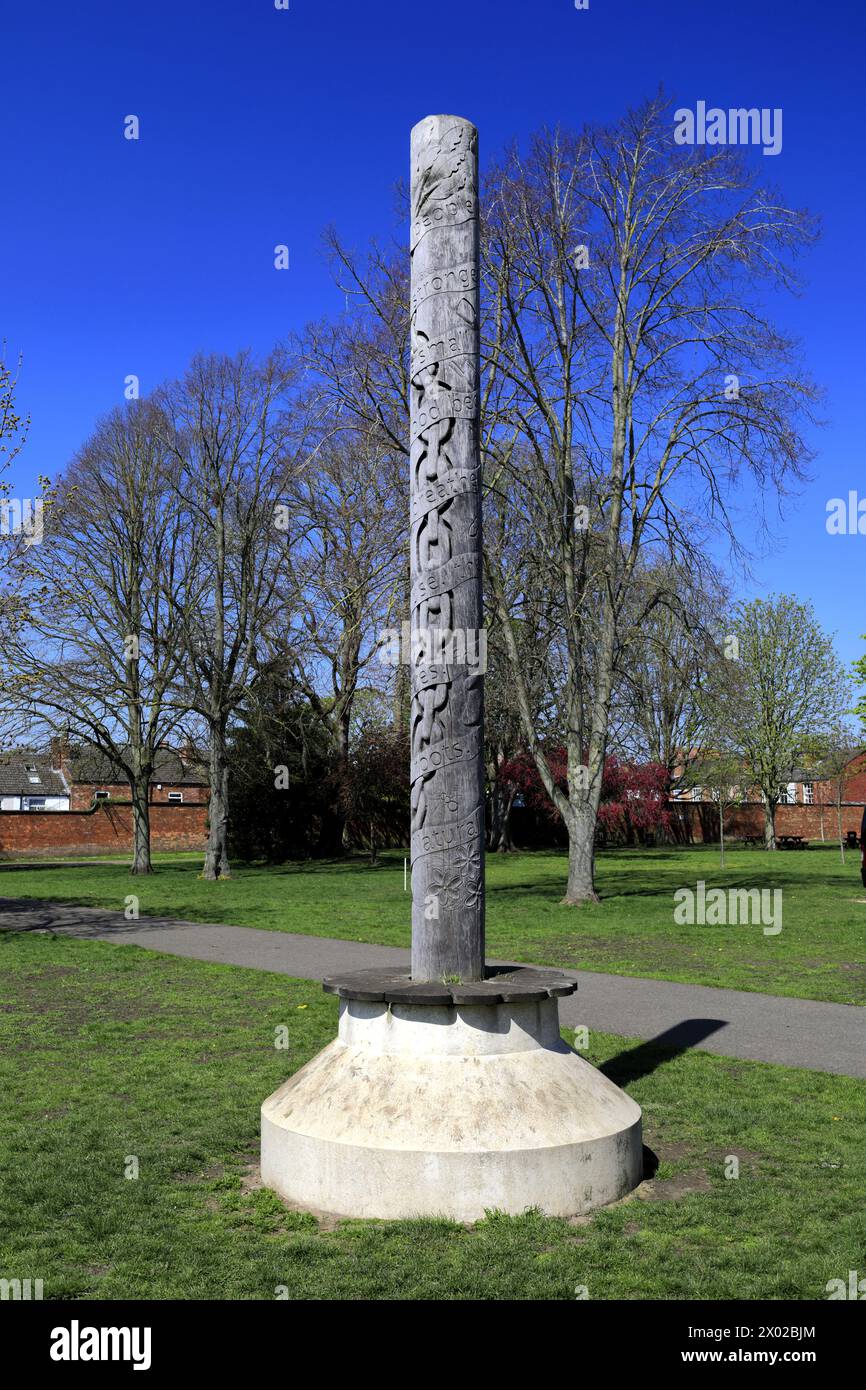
647	1057
94	865
52	915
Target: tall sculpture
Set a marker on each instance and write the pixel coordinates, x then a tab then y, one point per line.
449	1089
447	652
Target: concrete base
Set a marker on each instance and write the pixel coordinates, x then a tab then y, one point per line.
423	1110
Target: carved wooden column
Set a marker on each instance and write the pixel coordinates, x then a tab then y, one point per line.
448	1091
447	723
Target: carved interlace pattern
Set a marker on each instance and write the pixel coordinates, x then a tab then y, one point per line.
447	700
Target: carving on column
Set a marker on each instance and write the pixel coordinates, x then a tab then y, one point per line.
445	510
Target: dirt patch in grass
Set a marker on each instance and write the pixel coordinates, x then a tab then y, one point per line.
251	1178
747	1156
673	1153
597	952
212	1174
49	972
70	1016
672	1189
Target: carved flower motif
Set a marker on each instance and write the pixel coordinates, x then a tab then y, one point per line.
472	892
468	862
448	889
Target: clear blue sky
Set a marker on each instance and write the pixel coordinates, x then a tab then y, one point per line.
260	126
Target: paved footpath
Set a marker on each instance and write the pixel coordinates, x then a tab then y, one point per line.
729	1022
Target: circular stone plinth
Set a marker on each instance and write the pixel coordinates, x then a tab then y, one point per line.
425	1109
504	984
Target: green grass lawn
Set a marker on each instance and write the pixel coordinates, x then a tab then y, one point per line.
819	953
109	1053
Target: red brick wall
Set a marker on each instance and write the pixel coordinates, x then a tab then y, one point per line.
103	830
700	820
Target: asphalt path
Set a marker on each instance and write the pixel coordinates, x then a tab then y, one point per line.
728	1022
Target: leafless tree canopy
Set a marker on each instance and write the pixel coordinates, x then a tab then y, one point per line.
247	525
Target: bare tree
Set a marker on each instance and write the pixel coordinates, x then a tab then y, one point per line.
663	661
623	316
228	429
103	602
359	363
345	564
13	425
358	370
535	629
14	537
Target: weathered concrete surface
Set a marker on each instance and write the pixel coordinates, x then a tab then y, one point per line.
418	1110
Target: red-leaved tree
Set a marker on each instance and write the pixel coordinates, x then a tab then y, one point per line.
634	796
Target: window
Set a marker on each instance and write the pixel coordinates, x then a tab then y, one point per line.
697	793
175	796
34	778
34	803
101	796
809	793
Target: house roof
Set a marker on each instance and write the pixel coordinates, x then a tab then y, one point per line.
15	779
88	768
796	774
95	767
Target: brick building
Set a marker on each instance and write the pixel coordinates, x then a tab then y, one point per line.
65	803
809	806
92	777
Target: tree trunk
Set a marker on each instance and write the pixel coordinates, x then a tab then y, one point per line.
494	819
769	825
501	802
141	863
216	859
581	859
839	818
345	775
332	833
505	844
722	835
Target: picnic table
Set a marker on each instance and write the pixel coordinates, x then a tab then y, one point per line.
791	842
